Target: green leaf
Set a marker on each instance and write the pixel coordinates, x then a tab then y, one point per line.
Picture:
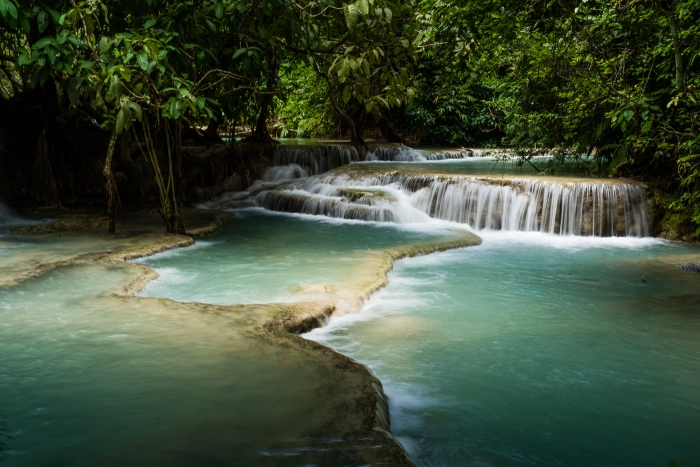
347	94
142	60
344	69
9	8
42	21
125	74
350	12
211	26
628	114
238	52
150	23
55	15
44	41
73	90
51	53
119	125
24	21
368	107
332	64
387	14
219	9
24	59
417	40
137	110
363	7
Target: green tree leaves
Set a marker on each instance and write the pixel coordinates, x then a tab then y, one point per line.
351	12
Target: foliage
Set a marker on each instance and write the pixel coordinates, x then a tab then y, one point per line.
616	80
303	109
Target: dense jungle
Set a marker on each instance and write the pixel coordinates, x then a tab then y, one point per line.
166	103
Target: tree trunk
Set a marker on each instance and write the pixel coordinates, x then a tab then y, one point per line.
168	200
261	133
43	181
389	134
357	133
112	193
677	48
211	134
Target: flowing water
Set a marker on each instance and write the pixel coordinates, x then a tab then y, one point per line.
369	192
7	217
533	349
89	379
566	338
262	257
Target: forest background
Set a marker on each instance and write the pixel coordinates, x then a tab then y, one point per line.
109	102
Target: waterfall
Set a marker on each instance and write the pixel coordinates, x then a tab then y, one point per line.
395	154
600	209
285	172
406	154
7	217
316	159
564	208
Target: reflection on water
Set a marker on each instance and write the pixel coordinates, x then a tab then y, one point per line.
541	350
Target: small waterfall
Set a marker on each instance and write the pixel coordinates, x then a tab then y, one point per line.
285	172
7	217
571	208
556	207
395	154
316	159
406	154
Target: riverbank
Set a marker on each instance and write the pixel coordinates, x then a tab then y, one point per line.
353	406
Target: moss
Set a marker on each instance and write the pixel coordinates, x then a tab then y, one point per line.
669	223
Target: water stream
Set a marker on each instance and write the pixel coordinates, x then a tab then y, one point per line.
537	350
566	338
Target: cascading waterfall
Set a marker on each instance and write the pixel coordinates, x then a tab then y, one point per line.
531	205
300	183
406	154
568	208
316	159
285	172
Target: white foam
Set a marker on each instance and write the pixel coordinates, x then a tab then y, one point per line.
199	244
565	242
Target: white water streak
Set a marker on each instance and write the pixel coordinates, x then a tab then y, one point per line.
564	208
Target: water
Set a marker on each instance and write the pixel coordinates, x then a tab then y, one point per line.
485	165
375	193
260	257
535	349
87	380
91	379
6	215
